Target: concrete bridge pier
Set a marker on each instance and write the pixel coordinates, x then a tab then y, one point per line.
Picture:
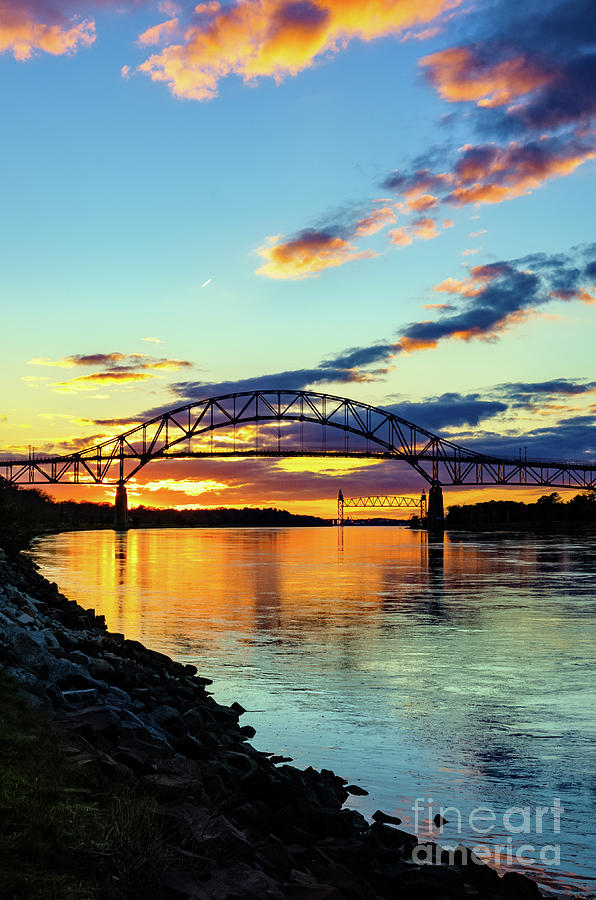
121	508
435	517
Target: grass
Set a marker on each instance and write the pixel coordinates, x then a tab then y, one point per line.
67	834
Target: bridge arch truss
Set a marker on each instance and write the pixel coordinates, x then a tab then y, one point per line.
288	423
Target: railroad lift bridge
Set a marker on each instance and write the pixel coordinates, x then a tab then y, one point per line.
293	423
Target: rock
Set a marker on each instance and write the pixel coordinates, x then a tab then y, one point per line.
394	837
168	788
274	856
68	674
237	823
191	747
311	892
86	695
169	719
385	818
517	887
22	642
356	790
431	883
76	656
439	821
350	885
115	636
93	721
23	677
101	668
44	638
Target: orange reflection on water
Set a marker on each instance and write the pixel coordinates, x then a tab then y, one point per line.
173	584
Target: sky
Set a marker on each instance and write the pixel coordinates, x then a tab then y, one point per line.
388	201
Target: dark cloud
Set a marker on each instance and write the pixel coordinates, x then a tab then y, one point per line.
290	379
500	294
570	438
360	356
115	423
449	410
301	15
526	390
96	359
490	173
349	366
560	39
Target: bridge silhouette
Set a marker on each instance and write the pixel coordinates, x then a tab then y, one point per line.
291	423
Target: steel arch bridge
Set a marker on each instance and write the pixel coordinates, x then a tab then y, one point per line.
287	423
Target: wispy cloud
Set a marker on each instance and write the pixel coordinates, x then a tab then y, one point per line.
313	250
91	382
307	253
115	368
115	361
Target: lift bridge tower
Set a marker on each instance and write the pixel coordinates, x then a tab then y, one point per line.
387	501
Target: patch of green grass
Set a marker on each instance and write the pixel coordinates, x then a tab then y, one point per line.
67	834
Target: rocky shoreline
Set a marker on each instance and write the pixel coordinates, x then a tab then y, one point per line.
240	825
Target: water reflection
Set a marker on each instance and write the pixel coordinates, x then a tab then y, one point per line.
456	666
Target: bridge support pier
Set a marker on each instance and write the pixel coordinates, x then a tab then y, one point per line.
435	519
121	508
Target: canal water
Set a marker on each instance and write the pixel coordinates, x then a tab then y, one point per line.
454	672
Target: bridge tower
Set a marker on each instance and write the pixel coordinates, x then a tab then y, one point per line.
435	517
121	508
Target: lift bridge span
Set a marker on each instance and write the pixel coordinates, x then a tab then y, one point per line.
288	423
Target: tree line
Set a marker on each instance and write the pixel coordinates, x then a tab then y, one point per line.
25	512
548	511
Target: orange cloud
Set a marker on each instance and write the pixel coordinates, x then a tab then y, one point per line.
422	202
476	332
117	362
90	382
459	75
586	297
159	34
411	345
308	254
480	277
421	228
23	32
500	173
376	221
274	38
425	228
400	236
583	295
